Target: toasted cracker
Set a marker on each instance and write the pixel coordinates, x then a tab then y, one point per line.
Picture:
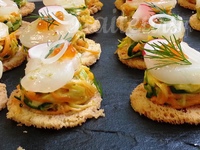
187	4
28	117
91	28
119	3
27	9
159	113
88	58
15	61
95	6
194	22
132	62
122	23
3	96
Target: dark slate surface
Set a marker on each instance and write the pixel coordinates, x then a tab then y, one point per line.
122	128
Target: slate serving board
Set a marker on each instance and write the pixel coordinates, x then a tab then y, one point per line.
121	128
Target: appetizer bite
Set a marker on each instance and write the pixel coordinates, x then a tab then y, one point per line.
11	53
79	9
25	7
3	91
55	23
148	22
189	4
195	19
130	6
57	91
171	89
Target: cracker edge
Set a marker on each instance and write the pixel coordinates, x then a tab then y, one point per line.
186	4
27	117
155	112
194	22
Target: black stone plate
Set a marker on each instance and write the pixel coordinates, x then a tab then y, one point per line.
121	128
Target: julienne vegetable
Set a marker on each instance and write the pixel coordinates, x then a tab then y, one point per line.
9	14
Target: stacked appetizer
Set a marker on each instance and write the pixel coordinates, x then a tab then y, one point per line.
57	90
55	23
130	6
148	22
195	19
171	88
82	9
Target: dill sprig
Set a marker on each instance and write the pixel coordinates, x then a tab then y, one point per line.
58	45
167	54
45	17
162	11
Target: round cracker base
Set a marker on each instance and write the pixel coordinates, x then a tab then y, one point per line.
194	22
122	23
145	107
28	117
89	58
27	9
95	7
119	3
15	61
137	63
187	4
3	96
91	28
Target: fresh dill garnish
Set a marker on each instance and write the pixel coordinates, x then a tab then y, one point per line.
167	54
45	17
58	45
159	10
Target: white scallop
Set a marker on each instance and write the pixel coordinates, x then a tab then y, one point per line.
32	36
7	7
3	30
65	3
161	3
47	77
176	74
172	27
